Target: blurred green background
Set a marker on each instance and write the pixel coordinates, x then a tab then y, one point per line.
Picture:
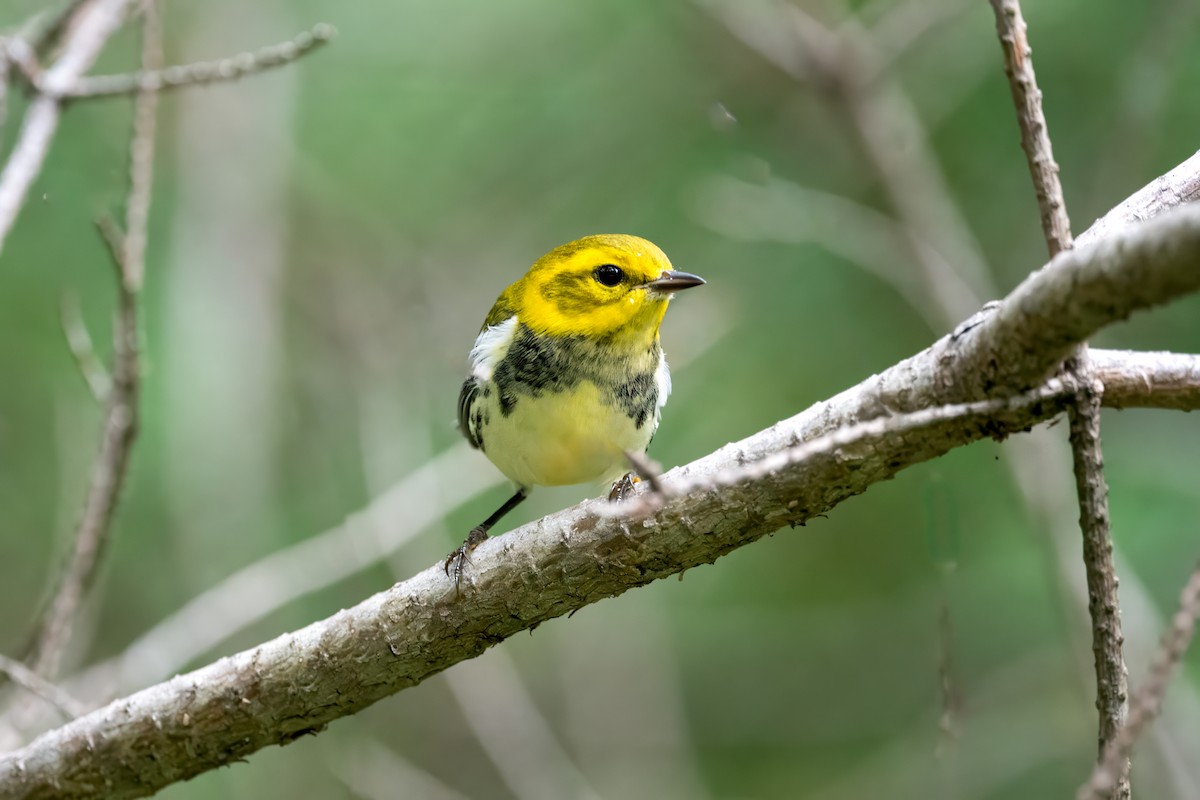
324	242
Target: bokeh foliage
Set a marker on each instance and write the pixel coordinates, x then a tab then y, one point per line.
324	243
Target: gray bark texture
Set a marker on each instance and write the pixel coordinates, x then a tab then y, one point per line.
298	683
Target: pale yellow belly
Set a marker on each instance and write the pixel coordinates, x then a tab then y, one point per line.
563	438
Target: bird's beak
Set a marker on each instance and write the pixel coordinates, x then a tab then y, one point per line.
671	281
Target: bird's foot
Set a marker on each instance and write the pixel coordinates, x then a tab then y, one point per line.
623	488
457	561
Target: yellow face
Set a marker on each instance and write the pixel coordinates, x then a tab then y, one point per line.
598	286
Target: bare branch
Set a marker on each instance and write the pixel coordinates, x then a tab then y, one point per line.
94	23
1147	700
1148	380
1180	185
121	408
1035	137
1157	380
1087	454
1112	689
297	683
29	680
141	154
153	79
80	343
828	444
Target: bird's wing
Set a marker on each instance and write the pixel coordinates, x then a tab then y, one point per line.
466	399
490	348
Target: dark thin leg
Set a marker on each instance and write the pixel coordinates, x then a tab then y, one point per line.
458	559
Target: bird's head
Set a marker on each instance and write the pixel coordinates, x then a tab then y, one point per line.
604	286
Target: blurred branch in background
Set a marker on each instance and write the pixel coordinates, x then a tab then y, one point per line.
85	27
375	772
927	220
262	588
92	23
35	684
1091	484
99	382
120	425
1113	765
841	66
299	682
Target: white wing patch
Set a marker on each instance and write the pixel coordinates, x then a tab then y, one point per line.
662	380
490	347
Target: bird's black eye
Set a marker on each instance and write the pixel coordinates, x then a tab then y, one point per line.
609	274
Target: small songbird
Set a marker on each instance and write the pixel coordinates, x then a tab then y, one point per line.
567	374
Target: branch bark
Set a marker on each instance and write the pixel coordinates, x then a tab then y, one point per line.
1148	380
1147	701
301	681
1091	487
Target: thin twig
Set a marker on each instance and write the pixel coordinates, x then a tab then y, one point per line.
647	469
141	153
80	343
860	434
120	425
1103	603
1087	455
1148	699
1035	138
29	680
155	79
92	26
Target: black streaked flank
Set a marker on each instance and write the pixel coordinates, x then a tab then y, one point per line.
535	365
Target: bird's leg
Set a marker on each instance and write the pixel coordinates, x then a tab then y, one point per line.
623	488
460	556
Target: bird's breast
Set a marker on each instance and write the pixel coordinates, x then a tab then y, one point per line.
564	410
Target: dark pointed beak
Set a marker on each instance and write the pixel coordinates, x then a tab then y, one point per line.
672	281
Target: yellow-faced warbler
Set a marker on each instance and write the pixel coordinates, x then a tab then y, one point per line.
567	374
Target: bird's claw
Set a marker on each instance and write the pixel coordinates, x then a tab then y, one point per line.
456	562
623	488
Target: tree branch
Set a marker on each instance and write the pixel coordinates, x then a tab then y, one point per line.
299	682
1084	429
203	72
1180	185
1131	379
29	680
1147	701
120	424
1035	136
94	23
1148	380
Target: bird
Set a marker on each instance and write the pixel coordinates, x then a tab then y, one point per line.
567	375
